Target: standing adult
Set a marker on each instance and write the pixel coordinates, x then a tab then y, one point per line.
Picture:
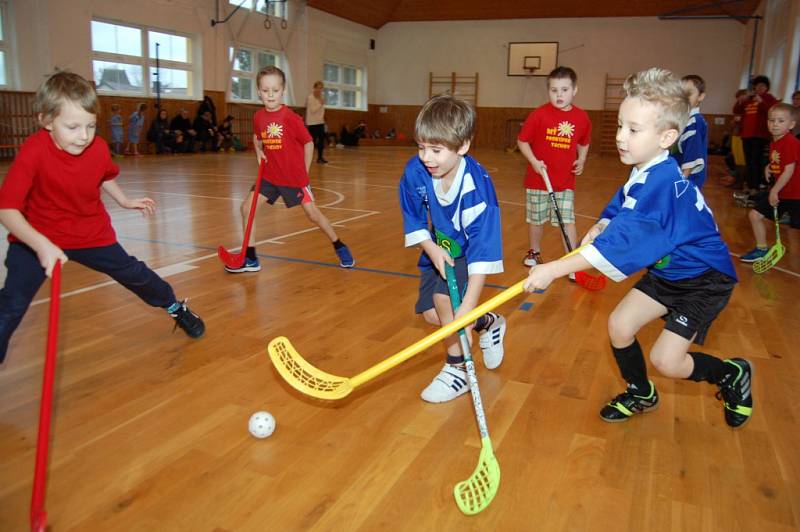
315	119
755	135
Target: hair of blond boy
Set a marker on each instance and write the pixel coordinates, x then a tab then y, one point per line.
781	106
270	71
660	87
445	120
64	86
698	82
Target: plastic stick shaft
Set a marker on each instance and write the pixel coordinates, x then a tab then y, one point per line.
38	514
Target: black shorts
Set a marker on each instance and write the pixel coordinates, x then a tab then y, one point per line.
692	304
790	206
432	283
291	195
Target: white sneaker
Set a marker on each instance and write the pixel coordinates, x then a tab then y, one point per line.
491	342
448	384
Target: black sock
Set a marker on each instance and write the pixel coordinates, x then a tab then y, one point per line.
707	368
484	322
251	252
455	360
338	244
632	366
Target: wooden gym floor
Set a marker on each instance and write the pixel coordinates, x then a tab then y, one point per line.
150	427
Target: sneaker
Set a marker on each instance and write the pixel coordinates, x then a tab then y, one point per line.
250	265
734	390
628	404
448	384
532	258
187	320
753	255
491	342
346	259
572	278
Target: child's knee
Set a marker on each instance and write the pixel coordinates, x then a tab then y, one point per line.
667	363
620	330
431	317
755	216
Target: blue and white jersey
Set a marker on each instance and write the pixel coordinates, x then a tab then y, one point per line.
693	148
659	220
467	213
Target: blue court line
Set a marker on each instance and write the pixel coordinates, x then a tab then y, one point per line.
526	306
295	260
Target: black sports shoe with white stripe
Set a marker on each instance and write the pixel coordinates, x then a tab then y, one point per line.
628	404
735	392
187	320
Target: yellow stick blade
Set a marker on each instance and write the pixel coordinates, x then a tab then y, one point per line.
477	492
304	377
769	260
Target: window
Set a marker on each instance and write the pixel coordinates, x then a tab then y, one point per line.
246	64
273	8
4	49
135	60
345	86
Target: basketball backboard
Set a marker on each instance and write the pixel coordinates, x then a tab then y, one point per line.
532	58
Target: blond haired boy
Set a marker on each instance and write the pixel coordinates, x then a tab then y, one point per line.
659	220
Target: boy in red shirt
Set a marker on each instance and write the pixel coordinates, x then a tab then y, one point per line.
555	137
784	168
285	147
754	133
50	203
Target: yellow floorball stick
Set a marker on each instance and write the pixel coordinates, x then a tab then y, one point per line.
306	378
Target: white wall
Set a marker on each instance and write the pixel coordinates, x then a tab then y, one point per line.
407	51
55	33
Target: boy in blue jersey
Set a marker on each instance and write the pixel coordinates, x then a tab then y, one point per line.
444	193
692	153
659	220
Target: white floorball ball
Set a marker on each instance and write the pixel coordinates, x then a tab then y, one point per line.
261	425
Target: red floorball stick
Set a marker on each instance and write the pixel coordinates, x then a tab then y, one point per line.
38	513
236	260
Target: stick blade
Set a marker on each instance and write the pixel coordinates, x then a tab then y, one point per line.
590	282
231	260
477	492
773	256
304	377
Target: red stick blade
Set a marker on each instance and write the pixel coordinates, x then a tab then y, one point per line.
231	260
590	282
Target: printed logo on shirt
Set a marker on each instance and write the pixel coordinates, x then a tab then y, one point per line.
775	162
561	135
683	320
272	137
663	262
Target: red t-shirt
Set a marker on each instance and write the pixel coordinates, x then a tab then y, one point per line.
754	115
782	152
554	136
283	136
59	193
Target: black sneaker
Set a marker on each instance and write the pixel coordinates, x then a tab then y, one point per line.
627	404
734	390
187	320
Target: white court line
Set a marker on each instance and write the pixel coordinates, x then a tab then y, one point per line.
184	266
165	271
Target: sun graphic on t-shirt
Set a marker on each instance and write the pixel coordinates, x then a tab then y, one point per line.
775	157
274	130
565	129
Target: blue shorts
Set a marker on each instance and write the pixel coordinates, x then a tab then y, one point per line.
432	283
